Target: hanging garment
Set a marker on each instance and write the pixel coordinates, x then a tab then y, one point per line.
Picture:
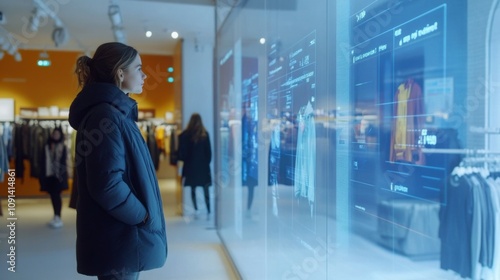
408	123
173	143
468	222
4	161
455	228
7	133
305	161
274	155
18	147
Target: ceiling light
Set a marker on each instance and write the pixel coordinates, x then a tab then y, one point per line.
149	33
174	35
60	36
36	16
116	23
262	41
9	44
17	57
114	15
39	18
44	60
10	49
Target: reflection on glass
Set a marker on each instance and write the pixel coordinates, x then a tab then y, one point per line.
410	140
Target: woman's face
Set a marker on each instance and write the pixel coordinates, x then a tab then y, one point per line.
133	77
56	135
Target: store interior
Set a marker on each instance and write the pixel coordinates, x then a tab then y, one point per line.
351	139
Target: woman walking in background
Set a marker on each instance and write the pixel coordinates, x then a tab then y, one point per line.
195	153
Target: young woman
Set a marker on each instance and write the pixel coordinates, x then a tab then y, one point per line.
54	176
195	153
120	221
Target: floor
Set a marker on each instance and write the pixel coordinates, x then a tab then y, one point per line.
195	250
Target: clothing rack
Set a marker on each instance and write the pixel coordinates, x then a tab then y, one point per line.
467	152
490	131
474	185
485	130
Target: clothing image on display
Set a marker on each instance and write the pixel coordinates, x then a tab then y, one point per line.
407	123
305	160
249	162
274	166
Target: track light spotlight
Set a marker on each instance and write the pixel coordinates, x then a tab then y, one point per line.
116	23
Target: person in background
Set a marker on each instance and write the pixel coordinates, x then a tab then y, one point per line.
195	153
120	221
54	173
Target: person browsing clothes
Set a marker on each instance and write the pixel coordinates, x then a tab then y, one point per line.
54	173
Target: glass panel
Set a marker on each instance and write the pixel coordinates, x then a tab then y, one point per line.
359	139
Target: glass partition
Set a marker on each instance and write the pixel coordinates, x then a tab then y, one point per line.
356	139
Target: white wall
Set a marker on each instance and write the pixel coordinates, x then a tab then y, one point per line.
197	83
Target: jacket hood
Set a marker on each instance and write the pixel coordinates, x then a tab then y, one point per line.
96	94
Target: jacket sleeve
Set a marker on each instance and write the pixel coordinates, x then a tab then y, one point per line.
105	164
208	149
182	146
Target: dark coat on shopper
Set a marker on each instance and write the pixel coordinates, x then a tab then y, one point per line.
54	183
196	158
117	186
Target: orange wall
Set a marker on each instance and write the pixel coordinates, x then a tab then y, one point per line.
34	86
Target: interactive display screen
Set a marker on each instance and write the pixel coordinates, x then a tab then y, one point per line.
343	119
291	92
402	96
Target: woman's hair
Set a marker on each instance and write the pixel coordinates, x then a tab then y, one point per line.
51	140
195	128
104	66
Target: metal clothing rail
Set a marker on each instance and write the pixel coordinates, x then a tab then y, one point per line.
485	130
468	152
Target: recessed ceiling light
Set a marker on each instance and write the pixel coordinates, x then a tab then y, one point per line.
149	33
174	35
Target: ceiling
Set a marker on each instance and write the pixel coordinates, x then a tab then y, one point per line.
89	25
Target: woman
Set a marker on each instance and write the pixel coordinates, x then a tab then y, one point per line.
195	153
120	222
54	175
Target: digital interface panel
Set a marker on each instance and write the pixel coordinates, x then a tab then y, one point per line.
249	121
226	83
291	102
401	95
363	187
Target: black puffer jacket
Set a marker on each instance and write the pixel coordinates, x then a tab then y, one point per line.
117	186
196	157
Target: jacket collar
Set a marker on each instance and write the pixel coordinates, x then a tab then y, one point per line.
98	93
